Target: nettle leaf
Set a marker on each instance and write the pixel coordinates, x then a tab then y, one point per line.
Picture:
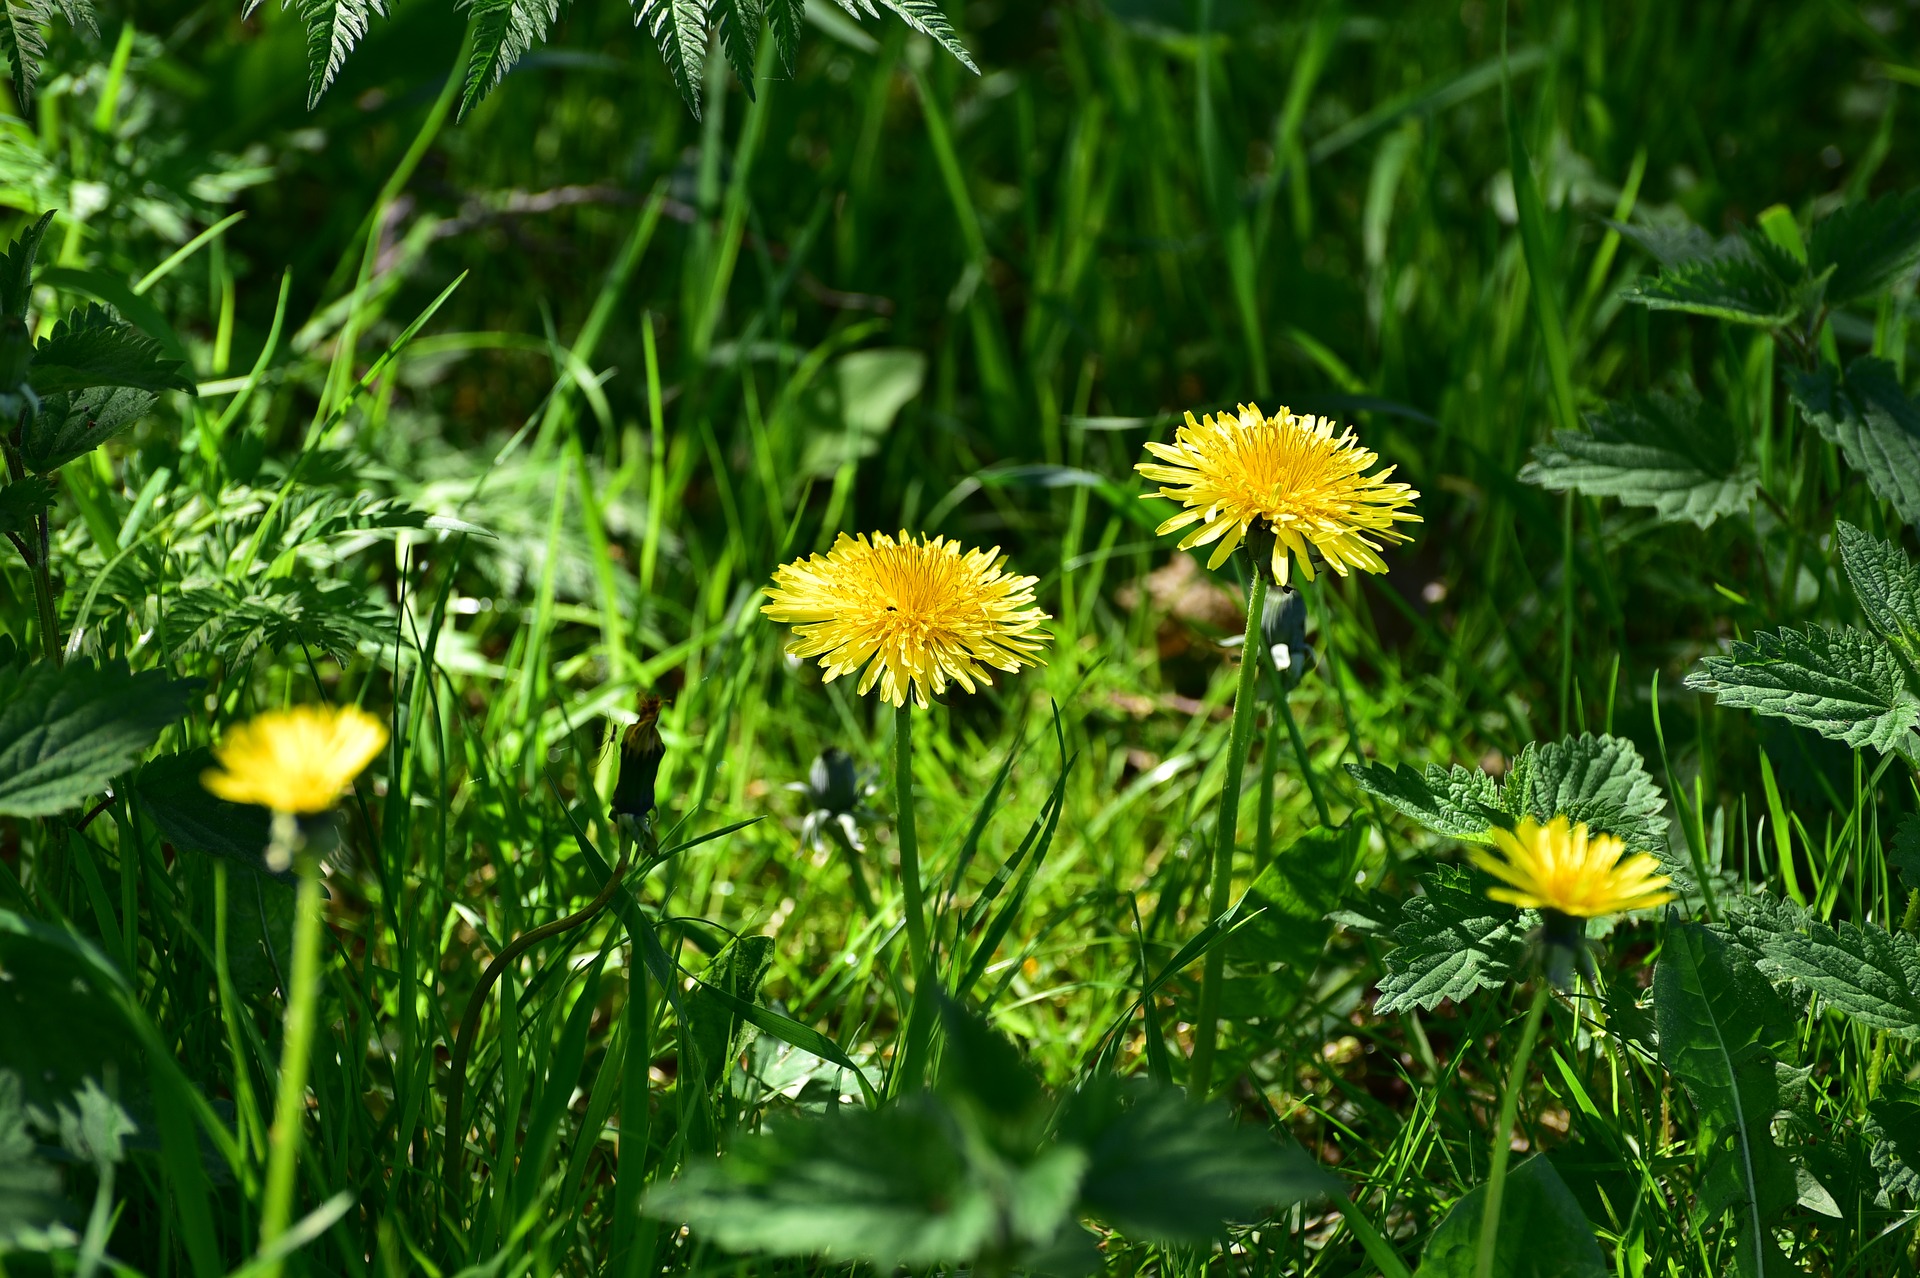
1892	1131
16	267
30	1201
22	501
1162	1169
892	1186
64	1021
1866	246
1749	281
679	30
333	28
504	31
92	348
1869	418
1452	941
1905	854
1672	244
1306	881
715	1031
1729	1039
1842	683
1860	969
1544	1231
170	795
65	731
1460	803
1886	583
1676	455
72	425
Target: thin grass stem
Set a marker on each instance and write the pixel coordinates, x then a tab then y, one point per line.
1503	1136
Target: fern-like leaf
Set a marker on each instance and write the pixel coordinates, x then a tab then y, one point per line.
930	20
333	28
783	19
679	29
737	24
23	44
503	32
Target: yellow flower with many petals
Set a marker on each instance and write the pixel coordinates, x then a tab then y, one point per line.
1290	473
915	614
295	761
1562	866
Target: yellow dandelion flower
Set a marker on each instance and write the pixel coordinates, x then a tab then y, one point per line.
915	614
295	761
1292	474
1562	866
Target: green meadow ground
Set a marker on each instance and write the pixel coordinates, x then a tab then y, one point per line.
886	293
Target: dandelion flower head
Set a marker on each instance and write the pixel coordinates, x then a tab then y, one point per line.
299	760
1289	472
914	614
1565	867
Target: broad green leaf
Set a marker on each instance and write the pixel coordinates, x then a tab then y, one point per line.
1905	854
1727	1037
1892	1133
1452	941
65	731
169	794
716	1033
333	28
1749	282
1458	802
1842	683
1886	583
91	348
1675	455
679	31
1672	244
16	267
1162	1169
70	425
22	501
30	1201
891	1186
62	1027
504	31
1858	969
1306	881
1543	1231
1866	246
982	1069
1869	418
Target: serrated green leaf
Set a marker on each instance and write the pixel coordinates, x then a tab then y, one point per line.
65	731
1596	779
1306	881
1162	1169
1750	281
72	425
1458	802
1671	244
62	1026
714	1031
1866	246
891	1186
1675	455
1840	682
783	20
169	794
91	348
1892	1133
1905	855
1544	1233
1886	583
23	44
504	31
22	501
1726	1036
16	268
736	24
1451	942
30	1202
930	20
333	28
283	614
1860	970
679	31
1869	418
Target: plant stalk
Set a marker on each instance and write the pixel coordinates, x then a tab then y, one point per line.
1220	890
919	1013
1503	1136
296	1050
1306	764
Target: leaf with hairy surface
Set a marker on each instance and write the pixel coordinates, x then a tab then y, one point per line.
91	348
1869	418
16	268
1461	803
1675	455
23	500
1866	246
1451	942
1887	585
1748	282
1842	683
1860	970
65	731
70	425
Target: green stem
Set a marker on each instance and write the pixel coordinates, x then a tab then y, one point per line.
1372	1241
856	875
42	578
1220	890
1503	1136
296	1050
1306	764
919	1014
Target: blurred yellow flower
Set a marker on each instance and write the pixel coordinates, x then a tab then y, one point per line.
1562	866
296	761
1291	473
915	614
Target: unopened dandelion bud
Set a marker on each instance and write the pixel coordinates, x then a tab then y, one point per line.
1283	633
833	781
641	751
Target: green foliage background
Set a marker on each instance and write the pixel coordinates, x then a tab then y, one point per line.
505	418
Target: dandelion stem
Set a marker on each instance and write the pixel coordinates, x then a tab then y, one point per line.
296	1051
919	1019
1503	1136
1306	764
1220	889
